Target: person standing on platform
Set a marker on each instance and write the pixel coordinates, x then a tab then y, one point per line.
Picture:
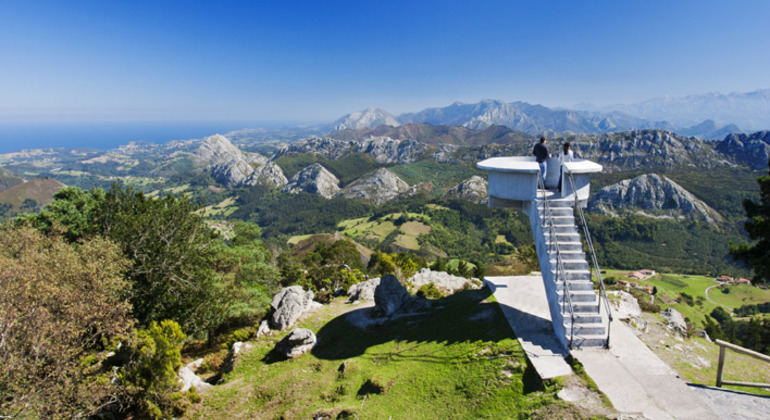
541	154
566	155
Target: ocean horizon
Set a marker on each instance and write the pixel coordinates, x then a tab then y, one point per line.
16	136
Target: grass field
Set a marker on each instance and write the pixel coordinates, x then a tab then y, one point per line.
670	286
381	228
458	361
442	176
222	209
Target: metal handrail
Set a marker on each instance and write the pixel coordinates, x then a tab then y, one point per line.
559	264
590	245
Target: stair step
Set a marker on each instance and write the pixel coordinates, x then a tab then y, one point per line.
582	296
575	285
586	329
583	307
566	246
573	275
559	211
561	229
583	341
555	203
571	264
587	319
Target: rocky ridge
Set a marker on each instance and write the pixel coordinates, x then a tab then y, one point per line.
314	179
472	189
749	149
378	187
228	165
644	149
654	196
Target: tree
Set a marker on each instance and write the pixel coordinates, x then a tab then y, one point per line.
29	206
62	308
170	248
757	256
247	276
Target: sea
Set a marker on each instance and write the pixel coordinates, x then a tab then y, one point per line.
15	136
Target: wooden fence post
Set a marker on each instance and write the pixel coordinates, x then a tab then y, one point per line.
721	365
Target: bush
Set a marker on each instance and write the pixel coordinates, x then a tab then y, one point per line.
429	291
151	378
62	308
645	302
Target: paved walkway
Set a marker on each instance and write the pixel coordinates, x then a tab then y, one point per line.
630	374
734	405
637	381
523	301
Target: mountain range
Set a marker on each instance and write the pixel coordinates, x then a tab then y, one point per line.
709	116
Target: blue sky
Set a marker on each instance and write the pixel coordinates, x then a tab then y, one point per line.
314	61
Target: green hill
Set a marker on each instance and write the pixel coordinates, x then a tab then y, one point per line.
8	179
31	195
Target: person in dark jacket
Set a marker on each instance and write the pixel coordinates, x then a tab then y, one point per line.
541	154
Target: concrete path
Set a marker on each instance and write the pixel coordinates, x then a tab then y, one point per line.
523	301
630	374
734	405
637	381
729	310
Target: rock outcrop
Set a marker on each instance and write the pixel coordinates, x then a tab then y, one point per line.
378	187
675	320
314	179
651	195
229	166
473	189
391	298
381	149
446	283
288	305
645	149
748	149
296	343
363	290
189	379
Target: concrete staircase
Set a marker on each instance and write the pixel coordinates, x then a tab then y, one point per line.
556	234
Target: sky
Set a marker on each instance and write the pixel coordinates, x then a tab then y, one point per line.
318	60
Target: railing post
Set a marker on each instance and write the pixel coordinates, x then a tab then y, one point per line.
721	365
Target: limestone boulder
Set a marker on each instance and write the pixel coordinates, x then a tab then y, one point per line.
445	282
288	305
675	320
624	305
296	343
188	378
363	290
392	298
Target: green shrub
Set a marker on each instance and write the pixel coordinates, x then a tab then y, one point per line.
429	291
151	378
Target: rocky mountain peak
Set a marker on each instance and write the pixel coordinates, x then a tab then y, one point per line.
228	165
651	195
314	179
370	117
378	187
